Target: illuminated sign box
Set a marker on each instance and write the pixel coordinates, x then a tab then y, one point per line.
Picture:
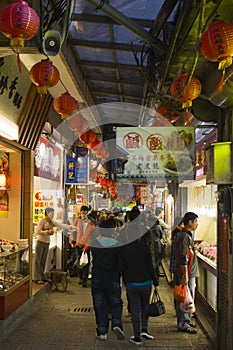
218	163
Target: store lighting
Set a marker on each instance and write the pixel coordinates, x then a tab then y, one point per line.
8	129
2	180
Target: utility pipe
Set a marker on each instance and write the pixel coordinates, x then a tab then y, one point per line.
129	23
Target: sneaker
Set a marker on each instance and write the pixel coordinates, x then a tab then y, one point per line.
135	340
102	336
119	333
146	335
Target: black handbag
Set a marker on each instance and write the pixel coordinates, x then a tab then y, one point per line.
156	306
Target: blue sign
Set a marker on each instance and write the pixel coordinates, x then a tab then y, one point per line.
77	169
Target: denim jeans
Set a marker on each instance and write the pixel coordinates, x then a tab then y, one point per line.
106	293
139	298
184	318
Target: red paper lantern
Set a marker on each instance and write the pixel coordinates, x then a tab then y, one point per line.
94	146
78	123
216	43
88	137
168	110
44	75
19	22
192	90
65	105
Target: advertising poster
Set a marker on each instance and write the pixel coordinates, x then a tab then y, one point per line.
157	152
47	160
43	199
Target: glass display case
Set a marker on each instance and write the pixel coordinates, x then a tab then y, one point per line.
14	267
14	280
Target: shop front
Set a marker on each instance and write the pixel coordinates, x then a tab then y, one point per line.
48	192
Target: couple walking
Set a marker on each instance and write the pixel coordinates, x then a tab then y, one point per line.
113	260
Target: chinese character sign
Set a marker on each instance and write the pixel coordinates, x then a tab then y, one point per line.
157	152
77	169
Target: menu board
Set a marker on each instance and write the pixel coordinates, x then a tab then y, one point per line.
157	152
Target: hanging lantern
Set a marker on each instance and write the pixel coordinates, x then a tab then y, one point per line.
216	45
65	105
192	90
88	136
78	124
94	145
168	110
19	22
102	153
44	75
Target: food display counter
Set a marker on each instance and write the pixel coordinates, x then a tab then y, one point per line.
14	281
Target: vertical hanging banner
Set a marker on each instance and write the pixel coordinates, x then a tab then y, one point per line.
77	168
157	152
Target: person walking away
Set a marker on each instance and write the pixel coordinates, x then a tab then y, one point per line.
178	224
156	232
45	228
80	239
159	212
105	286
135	263
184	269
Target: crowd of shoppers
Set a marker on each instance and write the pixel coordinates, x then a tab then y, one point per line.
125	250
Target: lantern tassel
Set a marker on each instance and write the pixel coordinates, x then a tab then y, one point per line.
186	116
221	81
18	62
40	102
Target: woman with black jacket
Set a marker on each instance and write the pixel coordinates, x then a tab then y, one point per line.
135	263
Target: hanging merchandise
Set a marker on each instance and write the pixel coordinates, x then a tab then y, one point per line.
19	22
216	45
44	75
65	105
78	124
88	137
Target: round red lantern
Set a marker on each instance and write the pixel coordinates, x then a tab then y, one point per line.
78	123
94	146
65	105
216	43
44	75
188	93
168	111
19	22
88	137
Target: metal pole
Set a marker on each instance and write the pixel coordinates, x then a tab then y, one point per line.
129	23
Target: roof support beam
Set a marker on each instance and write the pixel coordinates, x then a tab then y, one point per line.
130	24
106	65
82	17
102	91
114	81
104	45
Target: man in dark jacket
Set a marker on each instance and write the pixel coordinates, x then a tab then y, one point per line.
105	287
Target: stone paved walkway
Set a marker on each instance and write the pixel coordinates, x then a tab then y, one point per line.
66	321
